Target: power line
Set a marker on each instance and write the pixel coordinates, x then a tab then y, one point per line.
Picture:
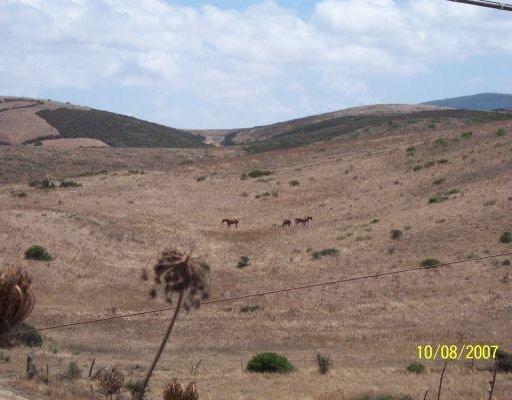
269	292
484	3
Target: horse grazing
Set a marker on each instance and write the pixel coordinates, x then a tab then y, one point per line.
230	221
302	221
287	222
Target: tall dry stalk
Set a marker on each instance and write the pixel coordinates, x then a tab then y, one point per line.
441	381
16	299
189	279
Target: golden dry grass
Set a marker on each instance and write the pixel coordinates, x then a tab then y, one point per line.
102	234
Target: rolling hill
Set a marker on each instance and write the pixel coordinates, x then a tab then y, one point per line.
46	122
481	101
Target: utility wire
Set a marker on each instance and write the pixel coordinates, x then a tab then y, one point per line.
265	293
484	3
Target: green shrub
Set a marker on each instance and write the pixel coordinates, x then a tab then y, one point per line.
438	181
201	178
244	262
441	142
437	198
54	349
416	367
431	126
269	362
500	132
452	191
506	263
135	387
417	167
324	363
506	237
395	234
410	151
19	194
375	221
294	182
429	163
443	161
47	184
246	309
37	252
258	173
66	184
430	263
504	361
73	371
466	135
28	338
4	358
331	252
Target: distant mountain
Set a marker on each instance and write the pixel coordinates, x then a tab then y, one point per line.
50	123
481	102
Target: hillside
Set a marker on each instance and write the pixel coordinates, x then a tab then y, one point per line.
45	122
104	233
369	119
481	101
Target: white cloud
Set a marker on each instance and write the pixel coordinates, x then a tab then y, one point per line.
247	58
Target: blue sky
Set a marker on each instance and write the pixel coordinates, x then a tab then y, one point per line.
234	63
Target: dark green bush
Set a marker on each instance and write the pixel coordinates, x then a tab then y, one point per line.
443	161
429	163
73	371
324	363
452	191
500	132
47	184
294	182
506	263
438	181
506	237
37	252
417	167
466	135
416	367
410	151
258	173
66	184
27	338
246	309
436	198
332	252
269	362
375	221
430	263
395	234
441	142
504	361
244	262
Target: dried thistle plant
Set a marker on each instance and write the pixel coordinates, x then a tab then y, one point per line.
180	275
175	391
110	382
16	299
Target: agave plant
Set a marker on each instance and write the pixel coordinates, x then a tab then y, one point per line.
175	391
188	278
16	299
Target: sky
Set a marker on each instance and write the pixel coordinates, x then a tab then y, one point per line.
234	63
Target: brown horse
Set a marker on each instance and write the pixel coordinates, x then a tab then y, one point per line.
302	221
287	222
230	221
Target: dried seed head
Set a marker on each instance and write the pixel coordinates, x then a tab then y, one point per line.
179	272
174	390
110	381
16	298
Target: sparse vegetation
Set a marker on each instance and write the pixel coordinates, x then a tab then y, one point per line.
441	142
19	194
443	161
429	163
257	173
395	234
244	262
500	132
67	184
375	221
27	337
417	167
330	252
437	198
201	178
504	361
37	252
294	182
506	237
466	135
176	391
110	382
506	263
250	308
410	151
416	367
324	363
438	181
73	371
430	263
452	191
270	363
383	396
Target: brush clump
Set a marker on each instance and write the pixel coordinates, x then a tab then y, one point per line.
16	299
176	391
111	381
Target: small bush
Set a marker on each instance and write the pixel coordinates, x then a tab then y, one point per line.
27	338
135	387
500	132
38	143
66	184
269	362
429	163
417	167
416	367
201	178
258	173
244	262
375	221
437	198
294	182
441	142
246	309
443	161
73	371
506	237
452	191
395	234
504	361
331	252
37	252
466	135
438	181
47	184
506	263
410	151
324	363
20	194
430	263
4	358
